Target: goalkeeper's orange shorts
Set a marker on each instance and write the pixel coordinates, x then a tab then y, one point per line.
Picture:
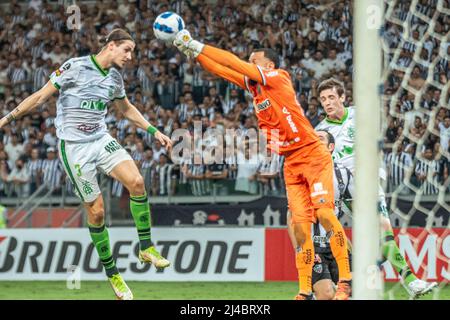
308	174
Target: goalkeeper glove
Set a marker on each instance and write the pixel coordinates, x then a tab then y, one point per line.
184	42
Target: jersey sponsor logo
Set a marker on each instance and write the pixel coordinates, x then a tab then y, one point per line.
88	128
289	120
285	143
272	73
93	105
307	256
340	239
113	146
263	105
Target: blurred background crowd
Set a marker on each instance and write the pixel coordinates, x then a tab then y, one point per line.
314	41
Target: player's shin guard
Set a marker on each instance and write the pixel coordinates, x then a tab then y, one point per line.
100	238
140	210
392	253
304	258
338	241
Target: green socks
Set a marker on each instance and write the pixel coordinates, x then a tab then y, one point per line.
100	238
392	253
140	210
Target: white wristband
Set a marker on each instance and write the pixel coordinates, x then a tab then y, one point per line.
196	46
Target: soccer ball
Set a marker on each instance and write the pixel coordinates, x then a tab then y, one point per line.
167	25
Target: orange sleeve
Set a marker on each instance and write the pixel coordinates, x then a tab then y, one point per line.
222	71
229	60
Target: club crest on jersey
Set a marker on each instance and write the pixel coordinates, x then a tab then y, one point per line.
263	105
318	268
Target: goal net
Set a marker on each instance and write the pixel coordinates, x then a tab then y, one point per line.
415	122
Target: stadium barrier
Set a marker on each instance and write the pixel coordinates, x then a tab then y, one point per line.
268	211
197	254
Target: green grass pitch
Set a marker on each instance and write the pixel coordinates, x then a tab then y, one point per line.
49	290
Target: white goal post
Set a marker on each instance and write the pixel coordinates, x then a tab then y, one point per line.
367	55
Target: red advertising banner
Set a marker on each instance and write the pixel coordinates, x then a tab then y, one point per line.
427	253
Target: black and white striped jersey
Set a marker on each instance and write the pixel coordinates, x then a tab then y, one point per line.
397	165
343	193
429	169
52	172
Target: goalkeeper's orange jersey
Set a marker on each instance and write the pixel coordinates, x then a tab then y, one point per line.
279	114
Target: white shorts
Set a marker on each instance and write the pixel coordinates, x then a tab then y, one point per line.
81	160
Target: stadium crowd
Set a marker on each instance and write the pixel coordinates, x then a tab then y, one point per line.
314	42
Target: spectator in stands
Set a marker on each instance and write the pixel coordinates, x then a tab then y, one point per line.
416	80
158	150
52	171
217	173
147	168
18	180
34	166
426	172
50	138
268	172
138	154
313	114
419	128
14	149
4	172
398	164
444	134
162	183
195	175
34	43
247	169
333	64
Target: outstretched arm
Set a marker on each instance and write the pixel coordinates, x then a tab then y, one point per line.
31	102
231	61
190	47
222	71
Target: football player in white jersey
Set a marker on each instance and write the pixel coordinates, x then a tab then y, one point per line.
86	87
340	122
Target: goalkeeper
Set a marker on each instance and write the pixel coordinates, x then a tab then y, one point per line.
325	271
340	123
308	168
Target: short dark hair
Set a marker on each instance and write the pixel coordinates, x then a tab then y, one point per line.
270	54
117	35
330	137
330	84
